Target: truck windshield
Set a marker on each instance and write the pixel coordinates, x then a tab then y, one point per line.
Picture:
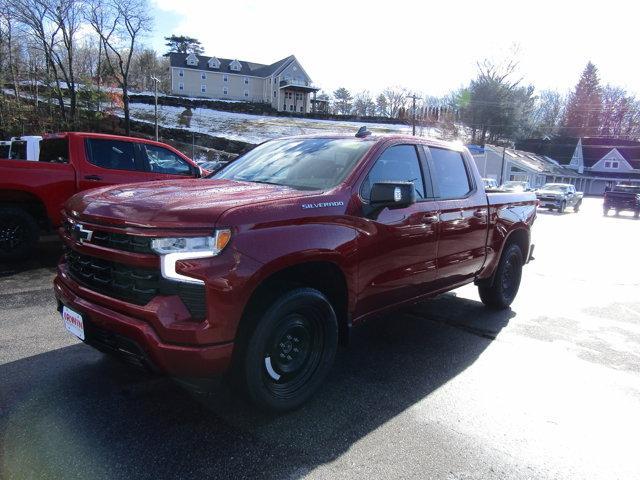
627	189
307	164
556	188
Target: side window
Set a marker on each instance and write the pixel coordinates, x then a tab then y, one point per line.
450	173
54	150
399	163
162	160
112	154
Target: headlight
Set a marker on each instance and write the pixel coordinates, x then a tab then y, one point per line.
172	250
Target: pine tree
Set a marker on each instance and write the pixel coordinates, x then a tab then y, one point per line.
584	107
343	101
184	44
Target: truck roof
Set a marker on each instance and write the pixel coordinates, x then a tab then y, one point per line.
382	138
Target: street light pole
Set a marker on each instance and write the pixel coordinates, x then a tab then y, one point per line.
155	103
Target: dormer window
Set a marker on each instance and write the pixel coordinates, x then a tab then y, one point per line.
192	60
236	66
611	164
214	62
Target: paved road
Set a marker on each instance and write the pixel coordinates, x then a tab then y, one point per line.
447	390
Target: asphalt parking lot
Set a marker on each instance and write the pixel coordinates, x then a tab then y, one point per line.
446	389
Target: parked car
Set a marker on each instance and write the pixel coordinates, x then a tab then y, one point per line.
260	270
515	186
490	183
559	196
622	197
32	193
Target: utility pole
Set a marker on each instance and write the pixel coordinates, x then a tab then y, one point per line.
155	103
413	116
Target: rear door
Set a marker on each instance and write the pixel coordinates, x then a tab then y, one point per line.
398	251
463	216
113	161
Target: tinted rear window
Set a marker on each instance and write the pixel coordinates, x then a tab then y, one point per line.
54	150
112	154
450	174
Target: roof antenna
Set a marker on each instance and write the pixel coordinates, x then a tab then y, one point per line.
363	132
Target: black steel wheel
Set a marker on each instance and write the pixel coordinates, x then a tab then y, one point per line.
18	234
506	282
562	206
291	350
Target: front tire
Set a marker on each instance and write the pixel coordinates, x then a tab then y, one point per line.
506	282
290	351
576	208
19	234
562	206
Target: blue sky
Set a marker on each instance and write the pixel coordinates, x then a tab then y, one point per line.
429	47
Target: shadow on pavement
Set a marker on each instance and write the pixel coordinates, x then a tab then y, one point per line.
73	413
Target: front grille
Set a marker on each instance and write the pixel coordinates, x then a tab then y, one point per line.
117	241
122	241
132	284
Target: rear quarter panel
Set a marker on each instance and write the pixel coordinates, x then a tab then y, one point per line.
508	213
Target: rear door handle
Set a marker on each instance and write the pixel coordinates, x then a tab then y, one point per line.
431	218
93	177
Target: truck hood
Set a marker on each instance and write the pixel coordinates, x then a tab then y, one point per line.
173	203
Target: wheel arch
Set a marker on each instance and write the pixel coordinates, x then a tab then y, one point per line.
323	274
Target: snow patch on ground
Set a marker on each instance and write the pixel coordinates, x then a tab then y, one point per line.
258	128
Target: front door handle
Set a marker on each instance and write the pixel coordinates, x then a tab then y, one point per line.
479	214
92	177
431	218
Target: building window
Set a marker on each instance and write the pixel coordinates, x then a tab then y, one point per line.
225	78
607	164
203	88
615	164
246	93
181	86
225	90
246	81
291	108
203	76
274	94
181	73
301	109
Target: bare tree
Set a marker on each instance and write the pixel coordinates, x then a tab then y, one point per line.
120	24
36	16
396	100
8	45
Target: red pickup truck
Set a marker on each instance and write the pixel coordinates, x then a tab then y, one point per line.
261	269
32	194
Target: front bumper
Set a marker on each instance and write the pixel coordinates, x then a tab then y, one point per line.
550	202
136	340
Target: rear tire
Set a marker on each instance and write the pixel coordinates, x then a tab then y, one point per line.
19	234
290	351
506	282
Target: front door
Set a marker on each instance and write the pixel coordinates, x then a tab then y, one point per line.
398	247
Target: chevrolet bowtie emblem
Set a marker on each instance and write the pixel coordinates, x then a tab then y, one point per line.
81	234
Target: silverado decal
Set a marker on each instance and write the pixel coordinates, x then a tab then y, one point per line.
322	205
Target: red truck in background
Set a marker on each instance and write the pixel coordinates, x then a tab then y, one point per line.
261	269
32	194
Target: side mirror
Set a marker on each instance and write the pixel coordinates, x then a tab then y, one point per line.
392	195
198	173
